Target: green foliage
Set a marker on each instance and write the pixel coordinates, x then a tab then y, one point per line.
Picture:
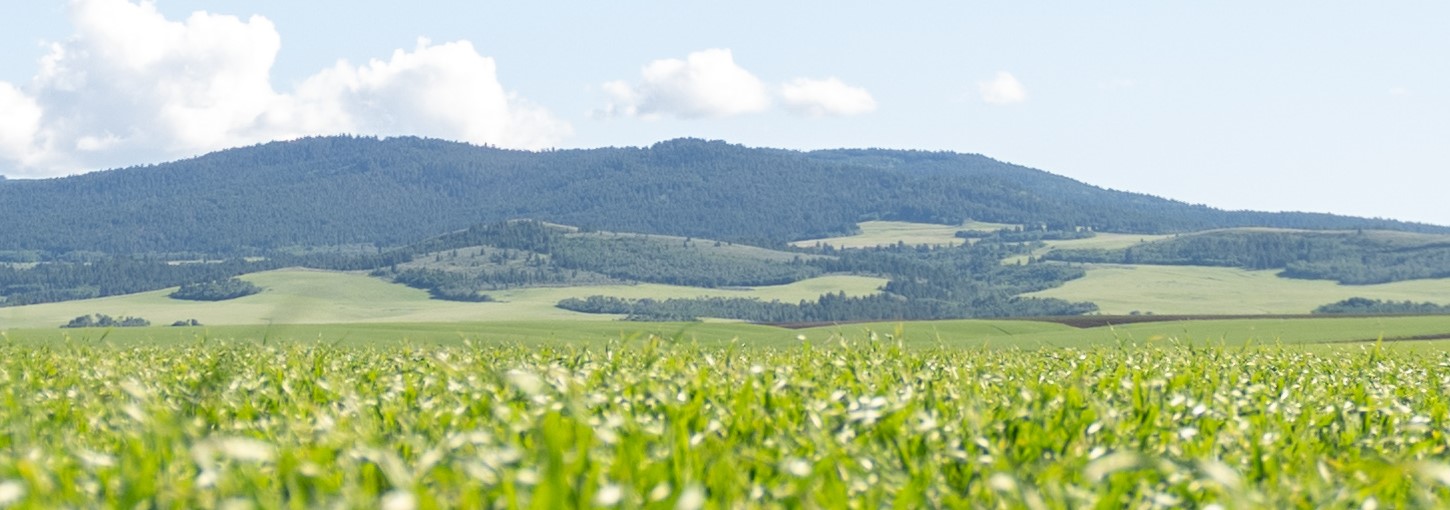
924	283
1364	306
1357	258
216	290
828	308
530	254
651	424
63	281
674	262
106	321
1021	235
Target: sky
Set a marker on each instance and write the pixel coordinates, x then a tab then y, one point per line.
1337	106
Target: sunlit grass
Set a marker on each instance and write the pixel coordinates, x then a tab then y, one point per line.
651	422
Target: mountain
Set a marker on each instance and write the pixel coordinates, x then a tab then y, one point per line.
335	191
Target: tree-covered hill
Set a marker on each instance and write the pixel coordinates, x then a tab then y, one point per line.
348	190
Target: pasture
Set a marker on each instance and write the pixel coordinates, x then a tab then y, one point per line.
296	296
1197	290
970	334
881	233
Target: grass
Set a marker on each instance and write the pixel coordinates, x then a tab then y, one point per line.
294	296
707	247
1102	241
1120	289
878	233
648	424
976	334
1032	334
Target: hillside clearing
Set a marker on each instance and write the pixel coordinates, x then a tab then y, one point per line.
1199	290
882	233
297	296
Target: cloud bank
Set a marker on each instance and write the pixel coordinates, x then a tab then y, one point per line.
1002	89
709	84
131	86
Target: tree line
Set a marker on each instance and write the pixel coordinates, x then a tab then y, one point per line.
923	283
1351	258
1365	306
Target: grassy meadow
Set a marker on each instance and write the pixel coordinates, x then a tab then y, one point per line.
1197	290
969	334
880	233
1100	240
296	296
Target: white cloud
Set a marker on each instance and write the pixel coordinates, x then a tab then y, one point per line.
706	84
19	125
132	86
445	91
1003	89
830	96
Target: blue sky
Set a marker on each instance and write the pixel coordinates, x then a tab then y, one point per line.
1318	106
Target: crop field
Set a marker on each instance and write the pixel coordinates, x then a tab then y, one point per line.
1120	289
295	296
971	334
652	422
880	233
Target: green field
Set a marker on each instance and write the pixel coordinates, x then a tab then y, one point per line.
990	334
880	233
647	424
1100	240
1197	290
294	296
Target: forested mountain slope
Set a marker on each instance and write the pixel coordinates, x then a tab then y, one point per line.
347	190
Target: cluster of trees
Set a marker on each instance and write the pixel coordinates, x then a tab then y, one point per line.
63	281
558	256
828	308
347	190
1024	235
1365	306
216	290
454	282
1356	258
923	283
662	260
967	274
106	321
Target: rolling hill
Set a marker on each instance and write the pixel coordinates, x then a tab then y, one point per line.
362	191
300	296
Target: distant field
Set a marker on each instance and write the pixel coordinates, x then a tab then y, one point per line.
708	246
879	233
1031	334
294	296
971	334
1102	241
1120	289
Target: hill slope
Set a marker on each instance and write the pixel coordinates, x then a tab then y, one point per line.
344	190
298	296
